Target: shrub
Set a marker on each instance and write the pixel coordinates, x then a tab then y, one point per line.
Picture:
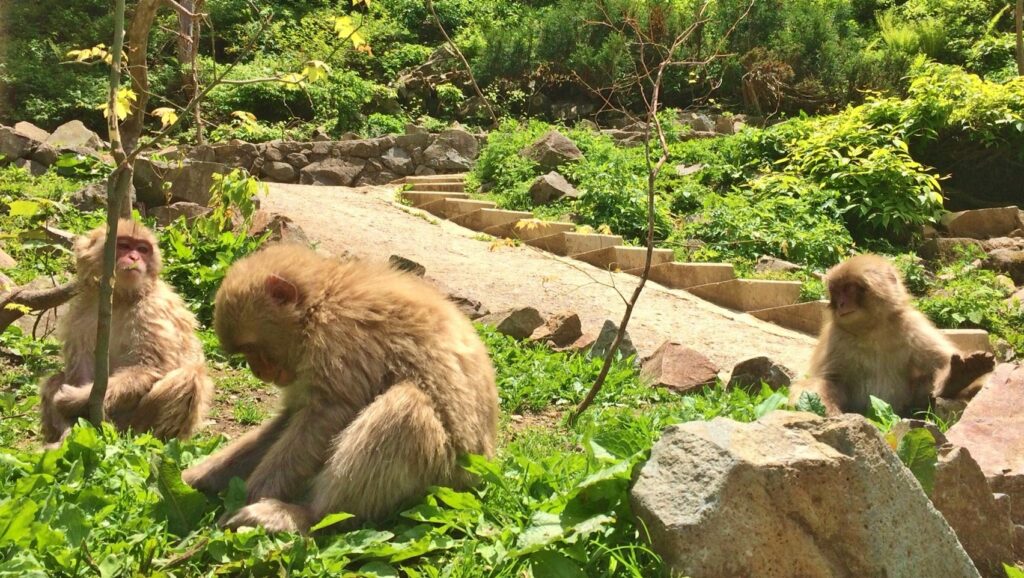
378	124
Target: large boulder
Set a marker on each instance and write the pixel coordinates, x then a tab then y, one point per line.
189	181
992	429
90	197
1008	261
278	171
398	161
234	153
31	131
452	150
560	330
749	374
984	223
946	248
552	150
550	188
332	172
14	145
517	323
73	134
166	215
792	494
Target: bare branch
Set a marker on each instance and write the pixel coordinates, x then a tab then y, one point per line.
465	63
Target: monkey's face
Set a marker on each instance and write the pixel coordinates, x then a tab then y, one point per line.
134	261
267	369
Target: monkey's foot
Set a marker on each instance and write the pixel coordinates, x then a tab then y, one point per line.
273	515
964	370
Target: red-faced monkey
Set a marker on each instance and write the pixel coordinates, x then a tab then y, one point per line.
158	379
876	343
384	384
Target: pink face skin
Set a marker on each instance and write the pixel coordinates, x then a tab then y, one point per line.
266	370
133	259
845	298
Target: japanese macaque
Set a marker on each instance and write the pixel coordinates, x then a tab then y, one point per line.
158	379
384	383
876	343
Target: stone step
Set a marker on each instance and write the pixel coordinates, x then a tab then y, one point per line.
969	340
488	218
451	208
623	258
685	275
569	244
749	294
437	186
448	178
420	198
806	317
529	228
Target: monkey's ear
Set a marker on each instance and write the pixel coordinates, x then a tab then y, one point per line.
281	290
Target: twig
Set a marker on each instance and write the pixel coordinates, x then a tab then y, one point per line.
465	63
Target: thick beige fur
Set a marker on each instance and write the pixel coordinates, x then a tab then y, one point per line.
886	348
158	380
388	383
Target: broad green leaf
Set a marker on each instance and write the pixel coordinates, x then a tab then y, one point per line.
548	564
378	570
882	414
182	506
330	520
23	208
810	402
1013	571
917	451
770	404
457	500
16	517
545	528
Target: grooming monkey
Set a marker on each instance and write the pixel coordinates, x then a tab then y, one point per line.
384	384
158	379
876	343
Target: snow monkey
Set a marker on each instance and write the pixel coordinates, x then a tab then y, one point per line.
876	343
158	379
384	383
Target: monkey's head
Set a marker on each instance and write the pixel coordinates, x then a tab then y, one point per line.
260	308
863	289
137	262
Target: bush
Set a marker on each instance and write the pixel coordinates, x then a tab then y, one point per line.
378	124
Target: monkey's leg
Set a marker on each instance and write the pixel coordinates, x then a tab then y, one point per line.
238	459
56	423
386	457
175	405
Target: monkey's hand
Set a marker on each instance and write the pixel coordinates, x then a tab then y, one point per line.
964	370
71	400
274	515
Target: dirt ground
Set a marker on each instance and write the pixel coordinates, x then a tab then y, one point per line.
368	222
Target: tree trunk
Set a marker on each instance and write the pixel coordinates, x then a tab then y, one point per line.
1018	21
138	70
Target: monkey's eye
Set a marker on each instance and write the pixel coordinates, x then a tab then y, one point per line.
143	249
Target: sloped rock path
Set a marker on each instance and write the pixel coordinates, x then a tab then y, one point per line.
368	222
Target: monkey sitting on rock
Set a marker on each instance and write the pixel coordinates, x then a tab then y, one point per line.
875	343
384	384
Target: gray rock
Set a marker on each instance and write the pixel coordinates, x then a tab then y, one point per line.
686	170
74	134
361	148
469	307
767	263
992	429
166	215
278	171
281	228
332	172
603	342
34	168
452	150
679	368
90	197
408	265
790	495
1009	262
6	262
297	160
984	223
189	181
13	145
945	248
398	161
552	150
45	155
749	374
517	323
725	125
550	188
561	330
415	129
701	123
31	131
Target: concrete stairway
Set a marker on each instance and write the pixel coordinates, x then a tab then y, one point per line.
773	301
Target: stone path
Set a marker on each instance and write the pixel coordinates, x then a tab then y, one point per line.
367	221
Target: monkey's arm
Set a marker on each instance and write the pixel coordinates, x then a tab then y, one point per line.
300	452
125	388
963	371
239	458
